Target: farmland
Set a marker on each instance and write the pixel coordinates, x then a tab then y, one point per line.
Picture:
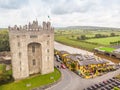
73	38
75	43
104	41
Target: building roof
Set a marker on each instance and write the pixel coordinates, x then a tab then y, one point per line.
117	50
73	57
88	62
86	59
63	52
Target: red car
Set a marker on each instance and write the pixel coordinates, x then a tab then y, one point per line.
63	66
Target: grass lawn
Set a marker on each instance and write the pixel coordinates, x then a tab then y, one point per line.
75	43
34	81
104	41
107	49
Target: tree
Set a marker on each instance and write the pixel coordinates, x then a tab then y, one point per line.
98	35
4	41
82	37
72	36
112	34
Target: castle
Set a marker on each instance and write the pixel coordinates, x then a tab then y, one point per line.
32	49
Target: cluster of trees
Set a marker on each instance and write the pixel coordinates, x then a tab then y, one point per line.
115	43
100	36
4	41
83	37
103	36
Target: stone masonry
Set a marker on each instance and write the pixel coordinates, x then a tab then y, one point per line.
32	49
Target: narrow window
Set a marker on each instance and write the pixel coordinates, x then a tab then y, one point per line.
47	42
33	49
18	44
19	54
34	62
48	58
20	66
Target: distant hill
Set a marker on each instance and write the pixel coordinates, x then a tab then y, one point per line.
3	28
89	28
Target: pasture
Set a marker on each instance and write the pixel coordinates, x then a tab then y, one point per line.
70	37
104	41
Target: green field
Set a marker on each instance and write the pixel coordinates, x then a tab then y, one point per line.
32	82
69	37
75	43
107	49
104	41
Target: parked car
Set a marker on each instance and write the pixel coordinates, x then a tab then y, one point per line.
63	66
101	84
89	88
108	88
97	85
105	82
103	88
58	59
94	87
108	81
111	86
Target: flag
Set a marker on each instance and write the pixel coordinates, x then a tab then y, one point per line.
49	18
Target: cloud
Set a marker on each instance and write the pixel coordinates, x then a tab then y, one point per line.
62	12
12	4
69	6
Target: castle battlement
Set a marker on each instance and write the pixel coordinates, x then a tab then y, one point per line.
32	27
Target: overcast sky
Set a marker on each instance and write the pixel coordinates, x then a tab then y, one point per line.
62	12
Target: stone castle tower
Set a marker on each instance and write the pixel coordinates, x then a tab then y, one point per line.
32	49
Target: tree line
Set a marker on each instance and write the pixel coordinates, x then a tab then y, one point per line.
4	41
84	37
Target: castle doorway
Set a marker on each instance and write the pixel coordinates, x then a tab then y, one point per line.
34	57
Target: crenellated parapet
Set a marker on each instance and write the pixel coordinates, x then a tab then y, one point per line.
32	27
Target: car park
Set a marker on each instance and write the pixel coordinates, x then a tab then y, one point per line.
106	85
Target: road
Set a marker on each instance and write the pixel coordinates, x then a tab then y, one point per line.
70	49
70	80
